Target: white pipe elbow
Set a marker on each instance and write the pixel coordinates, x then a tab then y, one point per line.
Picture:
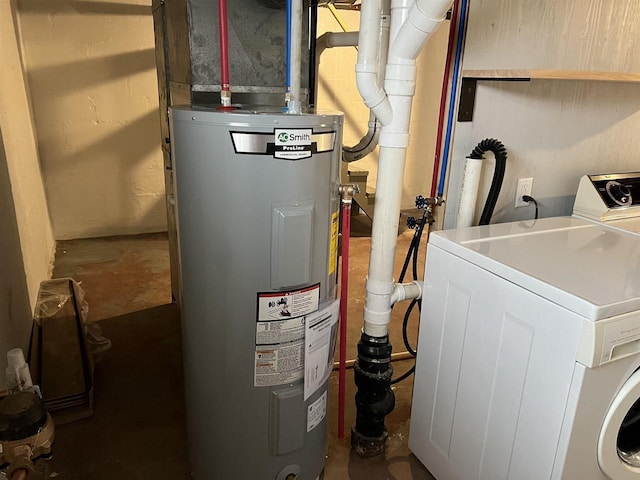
367	68
424	18
406	291
373	94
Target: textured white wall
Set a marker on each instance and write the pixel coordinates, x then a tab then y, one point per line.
337	91
91	69
555	131
26	239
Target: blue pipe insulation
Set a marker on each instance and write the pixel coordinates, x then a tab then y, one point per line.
454	90
288	43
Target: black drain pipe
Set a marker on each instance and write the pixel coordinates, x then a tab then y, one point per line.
374	399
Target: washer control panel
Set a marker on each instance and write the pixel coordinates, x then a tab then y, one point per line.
608	196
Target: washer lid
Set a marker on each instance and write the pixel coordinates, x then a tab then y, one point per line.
631	225
585	267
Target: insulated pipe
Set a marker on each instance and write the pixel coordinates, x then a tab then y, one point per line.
469	192
443	98
344	295
295	103
372	93
225	89
313	40
461	23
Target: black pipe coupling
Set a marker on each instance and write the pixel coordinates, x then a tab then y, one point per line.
374	399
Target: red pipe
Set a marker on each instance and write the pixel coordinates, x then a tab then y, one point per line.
225	90
443	96
344	293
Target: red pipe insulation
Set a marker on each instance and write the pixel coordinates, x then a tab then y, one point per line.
453	30
224	46
344	292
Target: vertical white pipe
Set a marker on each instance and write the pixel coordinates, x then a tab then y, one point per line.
394	139
372	93
383	40
369	142
411	24
469	192
296	56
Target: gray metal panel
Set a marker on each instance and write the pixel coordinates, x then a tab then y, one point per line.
288	420
225	205
256	44
291	244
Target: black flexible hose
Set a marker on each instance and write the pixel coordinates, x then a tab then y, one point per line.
405	325
405	375
413	246
500	152
412	254
352	150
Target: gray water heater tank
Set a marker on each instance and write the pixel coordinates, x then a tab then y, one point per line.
258	207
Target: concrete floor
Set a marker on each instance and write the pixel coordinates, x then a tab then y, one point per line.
138	426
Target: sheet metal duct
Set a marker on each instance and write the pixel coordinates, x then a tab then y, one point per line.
256	44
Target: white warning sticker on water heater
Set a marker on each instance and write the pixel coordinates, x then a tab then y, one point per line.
280	333
279	364
286	305
316	412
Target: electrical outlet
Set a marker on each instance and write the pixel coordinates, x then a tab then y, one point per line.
524	187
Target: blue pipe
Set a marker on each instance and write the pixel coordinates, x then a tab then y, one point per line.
452	100
288	46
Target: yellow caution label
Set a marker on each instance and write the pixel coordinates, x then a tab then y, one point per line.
333	244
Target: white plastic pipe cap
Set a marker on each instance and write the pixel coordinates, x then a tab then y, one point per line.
15	358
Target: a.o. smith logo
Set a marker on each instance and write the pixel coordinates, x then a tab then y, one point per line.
293	137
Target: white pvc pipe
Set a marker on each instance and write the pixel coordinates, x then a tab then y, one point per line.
335	39
407	291
369	142
296	56
423	19
411	25
372	93
469	192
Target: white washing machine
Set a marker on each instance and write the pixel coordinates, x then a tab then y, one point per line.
612	199
528	353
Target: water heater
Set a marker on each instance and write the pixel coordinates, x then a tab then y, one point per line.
258	200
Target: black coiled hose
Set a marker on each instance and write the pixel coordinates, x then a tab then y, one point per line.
500	152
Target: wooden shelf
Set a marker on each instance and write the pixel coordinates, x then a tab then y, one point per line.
470	78
542	74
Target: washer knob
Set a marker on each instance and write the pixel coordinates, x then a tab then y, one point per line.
619	193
